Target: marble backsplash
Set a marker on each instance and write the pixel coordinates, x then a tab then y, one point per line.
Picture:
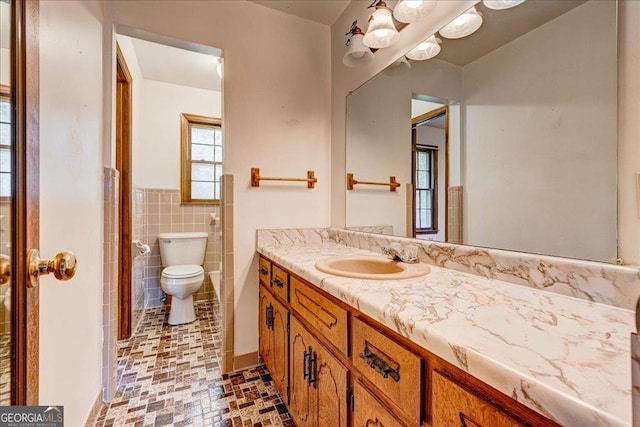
609	284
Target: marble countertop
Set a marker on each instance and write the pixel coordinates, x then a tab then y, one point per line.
566	358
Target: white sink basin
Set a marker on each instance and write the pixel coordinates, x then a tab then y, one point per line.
370	267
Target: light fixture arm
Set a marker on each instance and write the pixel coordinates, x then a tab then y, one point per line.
378	4
353	31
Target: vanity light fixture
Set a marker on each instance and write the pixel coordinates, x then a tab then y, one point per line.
381	32
464	25
357	53
425	50
501	4
413	10
400	67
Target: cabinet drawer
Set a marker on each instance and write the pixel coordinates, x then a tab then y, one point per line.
321	313
264	271
396	371
367	411
455	406
280	282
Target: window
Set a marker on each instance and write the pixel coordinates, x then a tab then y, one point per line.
5	143
201	159
426	184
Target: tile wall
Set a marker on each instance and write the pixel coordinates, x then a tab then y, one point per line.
454	223
110	285
160	210
226	290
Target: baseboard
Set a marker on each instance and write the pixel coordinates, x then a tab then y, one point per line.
95	411
247	360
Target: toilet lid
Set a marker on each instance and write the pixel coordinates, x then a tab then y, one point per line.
182	271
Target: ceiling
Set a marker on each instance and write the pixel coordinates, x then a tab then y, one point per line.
177	66
322	11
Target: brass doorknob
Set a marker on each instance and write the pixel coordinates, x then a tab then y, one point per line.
63	266
5	269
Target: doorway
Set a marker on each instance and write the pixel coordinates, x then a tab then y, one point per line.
430	166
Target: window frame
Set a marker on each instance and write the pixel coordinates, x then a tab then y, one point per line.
5	94
186	121
434	151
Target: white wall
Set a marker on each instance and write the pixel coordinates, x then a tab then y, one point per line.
427	135
156	156
70	190
276	110
540	129
5	77
379	135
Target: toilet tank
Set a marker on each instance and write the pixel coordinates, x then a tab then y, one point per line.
182	248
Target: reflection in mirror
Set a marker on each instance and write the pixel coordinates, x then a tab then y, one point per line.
506	139
6	148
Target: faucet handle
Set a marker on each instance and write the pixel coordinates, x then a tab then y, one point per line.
411	252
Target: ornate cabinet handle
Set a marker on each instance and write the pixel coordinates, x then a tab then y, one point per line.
313	369
264	271
269	316
278	282
380	365
305	365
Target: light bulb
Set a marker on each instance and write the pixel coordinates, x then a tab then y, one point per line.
464	25
501	4
413	10
425	50
381	32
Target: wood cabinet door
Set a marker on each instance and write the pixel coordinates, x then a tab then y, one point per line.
330	389
265	336
280	348
453	406
368	412
301	402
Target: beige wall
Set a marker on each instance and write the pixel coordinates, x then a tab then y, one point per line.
345	79
71	203
540	139
379	135
276	103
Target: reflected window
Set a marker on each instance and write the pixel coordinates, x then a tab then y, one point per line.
426	184
201	159
5	143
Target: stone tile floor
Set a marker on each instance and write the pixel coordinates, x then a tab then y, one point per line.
170	375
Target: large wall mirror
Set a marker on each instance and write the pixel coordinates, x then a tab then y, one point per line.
506	139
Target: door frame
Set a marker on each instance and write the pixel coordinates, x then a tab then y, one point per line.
123	119
25	218
416	122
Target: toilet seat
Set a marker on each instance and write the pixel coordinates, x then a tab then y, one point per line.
182	271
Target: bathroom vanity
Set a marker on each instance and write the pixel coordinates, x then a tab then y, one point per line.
447	348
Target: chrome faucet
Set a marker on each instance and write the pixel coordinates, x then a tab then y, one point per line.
402	255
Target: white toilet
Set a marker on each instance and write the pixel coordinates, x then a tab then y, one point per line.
182	257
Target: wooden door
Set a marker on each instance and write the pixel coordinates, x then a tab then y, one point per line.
368	412
301	404
25	199
331	390
280	348
123	165
265	336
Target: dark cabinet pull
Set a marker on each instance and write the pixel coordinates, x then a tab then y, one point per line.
380	365
264	271
269	316
313	369
278	282
305	365
465	419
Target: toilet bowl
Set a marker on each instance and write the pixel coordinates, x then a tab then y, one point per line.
181	282
182	255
